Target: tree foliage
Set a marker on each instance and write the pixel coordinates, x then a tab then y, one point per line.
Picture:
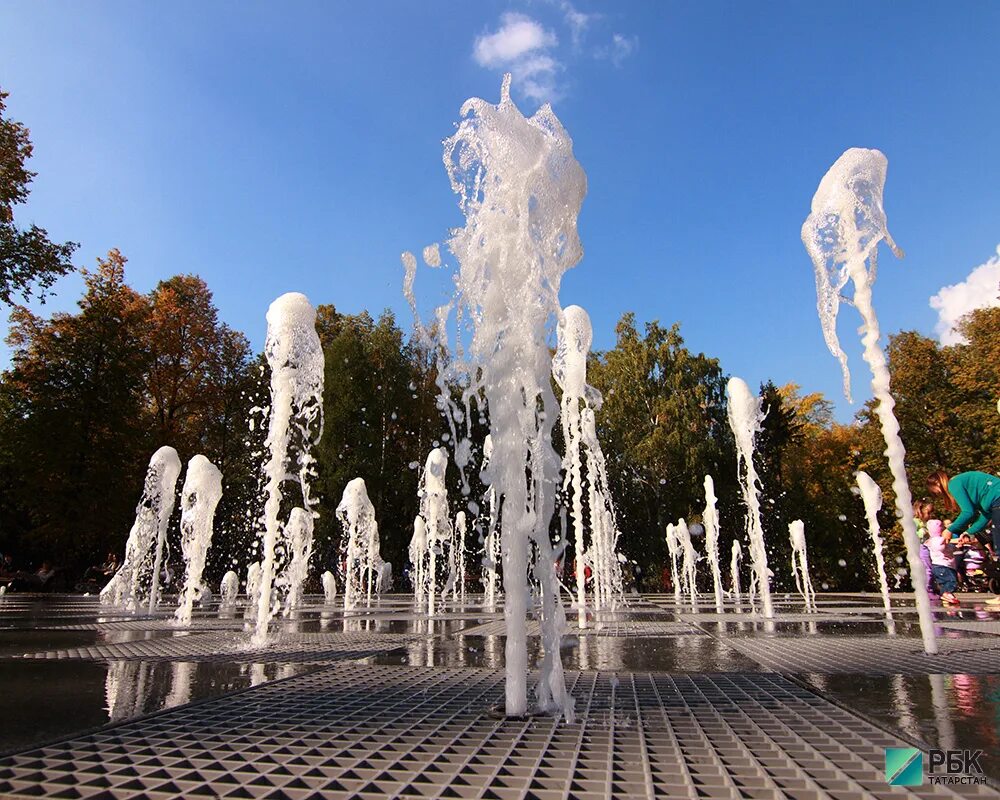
29	261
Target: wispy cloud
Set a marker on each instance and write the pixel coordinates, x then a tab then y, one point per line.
522	46
577	21
620	48
534	55
981	289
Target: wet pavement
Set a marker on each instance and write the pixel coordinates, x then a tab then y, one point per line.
69	667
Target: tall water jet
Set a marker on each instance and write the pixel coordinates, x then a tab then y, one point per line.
229	589
607	573
299	534
674	551
329	588
735	560
360	545
871	496
841	234
199	498
744	419
491	541
520	190
711	522
800	563
457	557
253	590
418	561
569	368
689	562
137	580
295	423
435	513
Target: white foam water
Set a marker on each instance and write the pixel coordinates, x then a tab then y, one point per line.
710	518
201	494
871	496
295	356
138	579
800	563
744	419
845	225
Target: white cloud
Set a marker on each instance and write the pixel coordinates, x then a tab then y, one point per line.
522	47
980	290
518	36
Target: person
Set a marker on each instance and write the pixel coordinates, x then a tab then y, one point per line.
976	496
922	512
942	561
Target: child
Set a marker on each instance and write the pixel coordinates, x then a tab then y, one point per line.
942	562
923	511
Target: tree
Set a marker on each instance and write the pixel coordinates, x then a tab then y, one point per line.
27	257
662	427
74	398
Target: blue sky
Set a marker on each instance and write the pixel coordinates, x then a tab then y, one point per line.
278	147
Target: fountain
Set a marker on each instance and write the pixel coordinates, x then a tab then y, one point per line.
520	190
871	496
329	588
295	424
735	560
436	516
137	581
841	234
491	542
199	498
299	533
674	551
607	573
711	522
360	545
418	561
800	563
689	562
229	588
457	558
744	419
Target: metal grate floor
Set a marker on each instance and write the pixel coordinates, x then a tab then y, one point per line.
290	647
367	731
870	655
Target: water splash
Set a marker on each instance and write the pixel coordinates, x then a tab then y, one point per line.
674	551
841	234
457	558
201	494
229	589
295	424
360	545
418	561
744	418
437	524
299	534
520	190
329	588
607	574
138	579
491	540
871	496
800	563
689	562
735	560
710	519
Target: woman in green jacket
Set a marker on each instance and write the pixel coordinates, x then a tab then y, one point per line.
976	498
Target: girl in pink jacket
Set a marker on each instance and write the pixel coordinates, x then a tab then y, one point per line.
942	561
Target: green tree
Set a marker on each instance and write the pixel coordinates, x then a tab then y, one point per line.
27	257
662	427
